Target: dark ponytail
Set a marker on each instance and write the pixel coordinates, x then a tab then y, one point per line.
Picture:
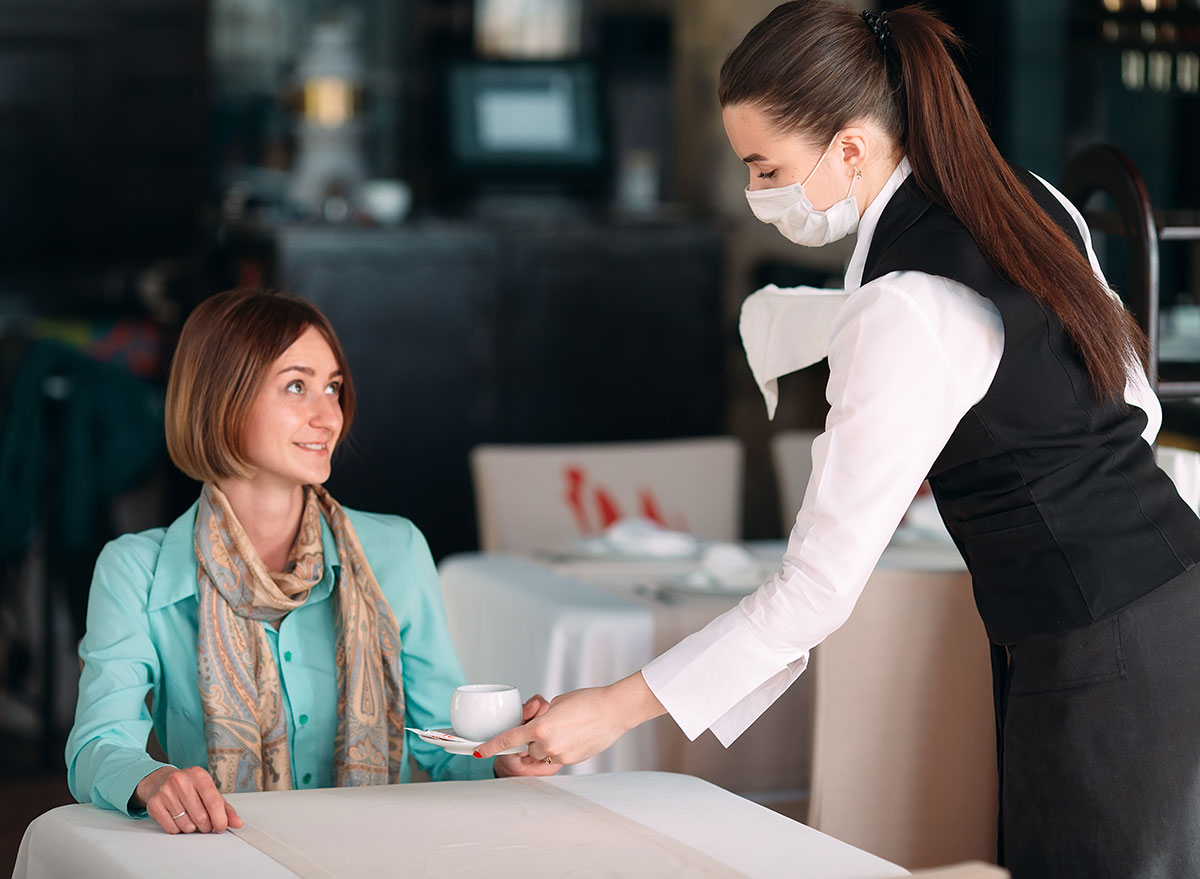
816	67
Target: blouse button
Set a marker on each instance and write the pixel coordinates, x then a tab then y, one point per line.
303	719
307	777
287	656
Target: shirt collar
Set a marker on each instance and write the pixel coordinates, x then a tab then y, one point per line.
868	222
175	571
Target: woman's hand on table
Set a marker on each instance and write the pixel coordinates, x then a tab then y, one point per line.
167	792
579	724
523	764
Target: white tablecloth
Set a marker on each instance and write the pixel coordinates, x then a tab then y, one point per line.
627	824
554	625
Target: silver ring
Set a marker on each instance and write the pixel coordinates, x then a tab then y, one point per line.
180	815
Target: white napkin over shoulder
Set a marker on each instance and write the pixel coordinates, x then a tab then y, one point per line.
785	329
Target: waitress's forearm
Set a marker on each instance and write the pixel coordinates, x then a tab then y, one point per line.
634	701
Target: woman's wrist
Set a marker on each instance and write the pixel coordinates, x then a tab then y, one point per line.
634	701
147	786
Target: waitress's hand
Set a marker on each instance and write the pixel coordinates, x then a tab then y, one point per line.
582	723
168	791
523	764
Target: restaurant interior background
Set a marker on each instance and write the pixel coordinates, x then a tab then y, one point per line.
574	280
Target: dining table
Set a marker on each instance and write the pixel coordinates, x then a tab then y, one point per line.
554	621
638	824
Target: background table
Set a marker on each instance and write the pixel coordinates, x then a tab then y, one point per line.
382	831
904	741
552	625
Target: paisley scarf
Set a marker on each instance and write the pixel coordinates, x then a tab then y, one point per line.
244	723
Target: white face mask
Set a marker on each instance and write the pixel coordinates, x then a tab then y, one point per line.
789	210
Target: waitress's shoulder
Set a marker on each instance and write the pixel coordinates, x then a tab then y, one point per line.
909	305
896	296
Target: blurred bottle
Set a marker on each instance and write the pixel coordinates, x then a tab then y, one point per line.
637	182
528	28
329	164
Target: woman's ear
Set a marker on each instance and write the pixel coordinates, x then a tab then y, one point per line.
852	148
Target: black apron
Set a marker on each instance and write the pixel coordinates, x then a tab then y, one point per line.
1101	744
1084	566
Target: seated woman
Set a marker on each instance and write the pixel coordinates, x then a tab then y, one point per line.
286	641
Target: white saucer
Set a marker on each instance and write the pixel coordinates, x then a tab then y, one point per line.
599	549
702	583
457	744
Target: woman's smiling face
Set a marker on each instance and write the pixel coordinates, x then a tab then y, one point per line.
297	417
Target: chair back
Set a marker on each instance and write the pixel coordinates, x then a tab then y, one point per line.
791	453
537	497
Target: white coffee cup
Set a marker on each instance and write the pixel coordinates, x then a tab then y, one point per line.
480	711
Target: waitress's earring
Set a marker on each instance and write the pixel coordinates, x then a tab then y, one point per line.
857	177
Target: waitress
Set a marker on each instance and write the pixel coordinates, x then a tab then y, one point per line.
980	347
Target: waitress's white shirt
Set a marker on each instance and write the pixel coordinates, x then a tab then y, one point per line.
909	355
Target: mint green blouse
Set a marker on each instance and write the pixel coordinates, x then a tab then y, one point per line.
141	637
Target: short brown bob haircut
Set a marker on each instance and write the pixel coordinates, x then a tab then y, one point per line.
225	350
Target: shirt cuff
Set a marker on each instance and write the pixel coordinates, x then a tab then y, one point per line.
721	678
125	782
737	719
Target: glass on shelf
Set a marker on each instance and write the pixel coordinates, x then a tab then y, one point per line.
1187	72
1133	70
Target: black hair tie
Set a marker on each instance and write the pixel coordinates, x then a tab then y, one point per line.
878	24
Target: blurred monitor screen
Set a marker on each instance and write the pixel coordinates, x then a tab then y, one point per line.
522	115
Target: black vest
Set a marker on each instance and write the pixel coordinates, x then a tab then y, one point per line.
1050	493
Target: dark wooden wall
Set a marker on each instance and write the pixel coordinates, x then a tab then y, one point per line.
102	130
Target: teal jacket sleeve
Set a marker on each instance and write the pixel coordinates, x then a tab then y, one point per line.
106	750
431	666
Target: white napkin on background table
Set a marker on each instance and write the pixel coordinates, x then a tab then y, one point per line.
731	566
638	537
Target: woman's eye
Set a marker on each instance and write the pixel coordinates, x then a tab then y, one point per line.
295	387
334	388
765	175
